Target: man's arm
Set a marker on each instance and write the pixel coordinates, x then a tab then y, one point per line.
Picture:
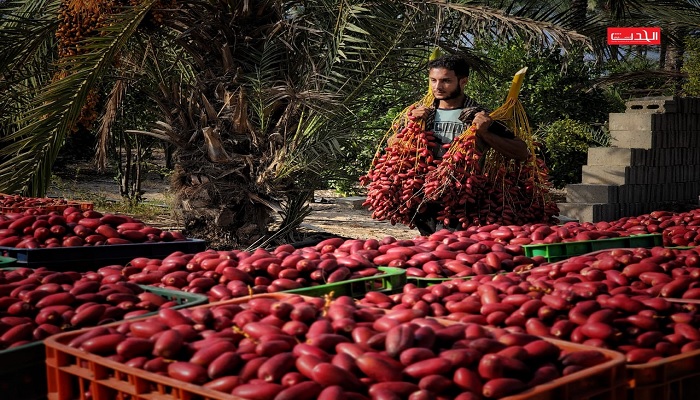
512	148
509	147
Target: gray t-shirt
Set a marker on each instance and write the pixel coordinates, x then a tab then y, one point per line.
447	126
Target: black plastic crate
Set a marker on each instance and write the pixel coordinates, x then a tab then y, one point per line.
23	368
91	257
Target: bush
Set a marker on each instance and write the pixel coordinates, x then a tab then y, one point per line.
691	66
567	142
549	93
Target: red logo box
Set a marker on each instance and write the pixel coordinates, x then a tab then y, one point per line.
636	35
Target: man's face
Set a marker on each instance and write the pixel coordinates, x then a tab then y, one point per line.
445	84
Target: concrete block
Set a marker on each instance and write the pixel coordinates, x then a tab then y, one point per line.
610	156
641	193
587	193
639	156
660	104
632	139
354	202
604	175
631	122
589	212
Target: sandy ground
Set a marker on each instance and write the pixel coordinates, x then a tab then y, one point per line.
331	214
343	220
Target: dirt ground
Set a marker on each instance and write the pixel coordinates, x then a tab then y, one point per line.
331	214
342	219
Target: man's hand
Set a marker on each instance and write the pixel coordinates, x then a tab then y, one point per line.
418	112
482	122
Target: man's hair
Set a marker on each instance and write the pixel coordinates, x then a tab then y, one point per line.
453	63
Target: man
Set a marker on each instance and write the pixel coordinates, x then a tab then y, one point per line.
451	114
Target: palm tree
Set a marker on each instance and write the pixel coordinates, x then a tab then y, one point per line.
256	96
677	19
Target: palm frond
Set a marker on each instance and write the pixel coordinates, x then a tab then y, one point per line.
636	76
530	24
114	102
33	148
26	33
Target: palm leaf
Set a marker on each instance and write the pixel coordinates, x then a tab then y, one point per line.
33	148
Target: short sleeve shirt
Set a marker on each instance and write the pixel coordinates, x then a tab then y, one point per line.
447	126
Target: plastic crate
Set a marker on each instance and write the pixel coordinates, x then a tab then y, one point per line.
23	368
425	282
23	372
72	373
672	378
560	251
606	381
7	262
391	280
92	257
683	247
81	205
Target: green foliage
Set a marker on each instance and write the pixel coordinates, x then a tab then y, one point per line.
373	122
550	92
567	142
691	66
629	76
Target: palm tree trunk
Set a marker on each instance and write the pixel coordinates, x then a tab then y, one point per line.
673	57
579	9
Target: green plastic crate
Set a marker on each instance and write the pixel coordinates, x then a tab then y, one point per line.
23	371
7	262
682	247
425	282
390	281
560	251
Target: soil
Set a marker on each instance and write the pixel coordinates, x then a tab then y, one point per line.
332	215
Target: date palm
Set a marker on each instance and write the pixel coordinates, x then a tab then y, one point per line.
257	97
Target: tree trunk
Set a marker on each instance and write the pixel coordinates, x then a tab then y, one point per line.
579	9
673	59
223	209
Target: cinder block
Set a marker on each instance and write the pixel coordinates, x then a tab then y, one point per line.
604	175
631	122
589	212
610	156
657	104
587	193
633	139
641	193
641	156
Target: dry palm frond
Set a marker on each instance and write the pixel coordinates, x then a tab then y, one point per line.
113	103
215	147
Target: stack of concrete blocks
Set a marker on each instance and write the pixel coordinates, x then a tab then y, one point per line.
653	164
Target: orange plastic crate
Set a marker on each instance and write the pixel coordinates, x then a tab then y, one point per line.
606	381
603	382
73	374
51	205
673	378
